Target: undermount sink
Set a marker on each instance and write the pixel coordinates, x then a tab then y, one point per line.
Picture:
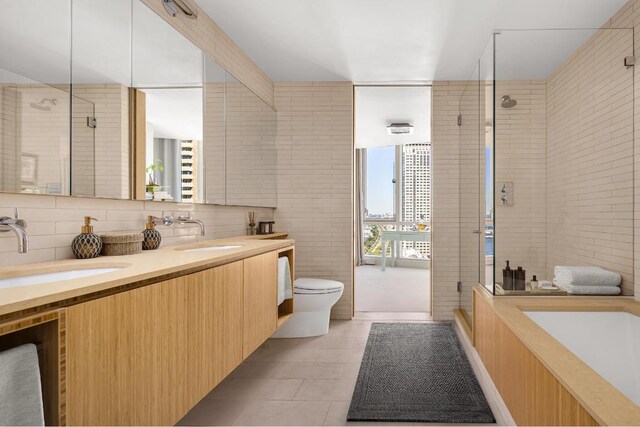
37	279
212	248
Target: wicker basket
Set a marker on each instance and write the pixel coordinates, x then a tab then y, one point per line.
121	243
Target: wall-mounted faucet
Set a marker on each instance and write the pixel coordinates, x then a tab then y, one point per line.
183	219
18	226
168	221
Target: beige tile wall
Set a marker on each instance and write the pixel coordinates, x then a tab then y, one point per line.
53	222
315	180
446	213
590	149
520	151
251	157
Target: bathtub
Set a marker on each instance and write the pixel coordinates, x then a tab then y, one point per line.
607	341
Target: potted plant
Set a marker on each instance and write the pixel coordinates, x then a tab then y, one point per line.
152	185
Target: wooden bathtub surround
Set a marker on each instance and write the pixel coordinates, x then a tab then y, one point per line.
145	354
540	380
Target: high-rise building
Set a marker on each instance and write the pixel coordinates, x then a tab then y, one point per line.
416	195
189	168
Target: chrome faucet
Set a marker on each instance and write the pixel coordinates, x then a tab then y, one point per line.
183	219
18	226
166	220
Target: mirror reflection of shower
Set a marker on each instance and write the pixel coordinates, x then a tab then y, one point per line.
507	102
45	104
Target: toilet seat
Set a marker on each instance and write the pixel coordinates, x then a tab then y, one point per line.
316	286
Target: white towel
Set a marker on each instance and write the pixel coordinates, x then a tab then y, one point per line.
284	280
589	290
20	390
585	276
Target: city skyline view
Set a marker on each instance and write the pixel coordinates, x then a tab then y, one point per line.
408	208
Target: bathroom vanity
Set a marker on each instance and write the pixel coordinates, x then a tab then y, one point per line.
145	341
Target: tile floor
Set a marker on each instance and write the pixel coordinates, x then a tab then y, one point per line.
397	289
306	381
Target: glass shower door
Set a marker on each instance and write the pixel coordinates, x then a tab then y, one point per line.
486	161
476	156
83	156
469	193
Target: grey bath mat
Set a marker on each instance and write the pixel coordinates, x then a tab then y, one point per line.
417	372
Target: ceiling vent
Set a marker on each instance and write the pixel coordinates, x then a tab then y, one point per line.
400	129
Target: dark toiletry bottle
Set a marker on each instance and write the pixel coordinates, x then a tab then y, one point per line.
520	279
507	278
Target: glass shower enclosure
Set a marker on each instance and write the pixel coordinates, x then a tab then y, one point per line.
476	205
546	125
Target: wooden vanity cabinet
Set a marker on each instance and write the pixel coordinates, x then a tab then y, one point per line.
260	300
148	355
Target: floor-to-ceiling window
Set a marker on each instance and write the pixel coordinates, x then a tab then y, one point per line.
397	194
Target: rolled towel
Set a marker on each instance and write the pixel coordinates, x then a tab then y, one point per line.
585	276
589	290
284	280
20	390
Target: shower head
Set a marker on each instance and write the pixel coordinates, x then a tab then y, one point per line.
45	104
40	107
507	102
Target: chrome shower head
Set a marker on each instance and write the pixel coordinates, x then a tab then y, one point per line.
507	102
45	104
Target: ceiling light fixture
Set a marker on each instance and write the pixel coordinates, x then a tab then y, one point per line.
400	129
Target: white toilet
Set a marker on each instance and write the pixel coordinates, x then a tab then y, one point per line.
313	299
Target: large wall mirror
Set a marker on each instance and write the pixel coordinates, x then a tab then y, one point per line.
101	77
167	82
35	102
133	111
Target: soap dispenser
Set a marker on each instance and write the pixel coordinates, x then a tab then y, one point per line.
151	236
86	244
507	278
